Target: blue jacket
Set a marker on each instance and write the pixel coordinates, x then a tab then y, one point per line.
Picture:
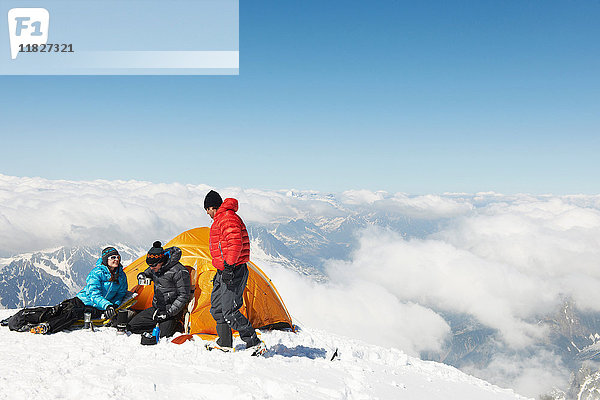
99	292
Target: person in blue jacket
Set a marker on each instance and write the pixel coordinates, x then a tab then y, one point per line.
106	286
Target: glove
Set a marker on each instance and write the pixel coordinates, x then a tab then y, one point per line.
142	279
160	316
227	275
110	312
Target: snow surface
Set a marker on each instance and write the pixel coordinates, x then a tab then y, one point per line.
103	365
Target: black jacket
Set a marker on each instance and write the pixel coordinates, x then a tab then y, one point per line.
172	286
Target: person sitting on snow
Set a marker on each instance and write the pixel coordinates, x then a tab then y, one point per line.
172	292
106	286
230	251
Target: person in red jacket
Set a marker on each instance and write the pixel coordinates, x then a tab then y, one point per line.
230	250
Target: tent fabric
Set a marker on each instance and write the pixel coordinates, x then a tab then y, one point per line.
262	304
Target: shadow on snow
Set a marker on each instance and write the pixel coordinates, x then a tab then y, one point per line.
297	351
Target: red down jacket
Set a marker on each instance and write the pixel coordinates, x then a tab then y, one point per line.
228	236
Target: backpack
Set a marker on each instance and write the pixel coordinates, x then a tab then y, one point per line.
26	318
62	316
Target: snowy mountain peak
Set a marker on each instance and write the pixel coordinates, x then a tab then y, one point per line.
104	365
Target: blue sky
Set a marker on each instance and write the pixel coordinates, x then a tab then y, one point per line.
390	95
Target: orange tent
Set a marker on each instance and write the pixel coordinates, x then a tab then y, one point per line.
262	304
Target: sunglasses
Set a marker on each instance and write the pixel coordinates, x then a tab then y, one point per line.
114	257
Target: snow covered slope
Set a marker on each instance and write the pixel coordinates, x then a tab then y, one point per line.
103	365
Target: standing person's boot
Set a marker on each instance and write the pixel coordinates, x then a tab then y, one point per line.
258	349
225	338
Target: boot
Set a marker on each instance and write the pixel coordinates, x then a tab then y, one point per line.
41	329
225	338
258	349
212	345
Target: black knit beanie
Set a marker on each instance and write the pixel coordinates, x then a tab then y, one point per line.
107	252
114	273
212	199
156	254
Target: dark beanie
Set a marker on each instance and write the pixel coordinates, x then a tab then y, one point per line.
107	252
156	254
212	199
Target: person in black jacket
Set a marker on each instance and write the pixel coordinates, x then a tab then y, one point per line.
172	292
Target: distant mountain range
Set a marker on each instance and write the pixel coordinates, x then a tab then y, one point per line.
574	337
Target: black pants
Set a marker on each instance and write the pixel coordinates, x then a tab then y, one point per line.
143	322
225	303
58	317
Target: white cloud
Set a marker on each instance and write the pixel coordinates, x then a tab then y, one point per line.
425	206
531	374
361	197
360	309
436	274
507	262
264	207
38	213
551	243
504	263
